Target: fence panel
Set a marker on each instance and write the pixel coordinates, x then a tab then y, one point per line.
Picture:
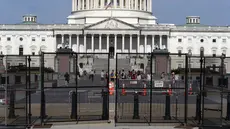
16	85
144	97
213	82
92	86
58	81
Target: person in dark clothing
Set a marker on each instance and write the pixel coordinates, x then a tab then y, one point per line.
91	75
66	78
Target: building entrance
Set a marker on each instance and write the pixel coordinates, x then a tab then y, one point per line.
111	52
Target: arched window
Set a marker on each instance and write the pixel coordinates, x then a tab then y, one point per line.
20	50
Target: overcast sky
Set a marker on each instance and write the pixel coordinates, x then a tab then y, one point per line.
212	12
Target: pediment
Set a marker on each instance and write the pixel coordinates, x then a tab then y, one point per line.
111	24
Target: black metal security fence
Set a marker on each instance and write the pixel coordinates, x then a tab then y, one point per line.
76	87
157	92
215	104
18	75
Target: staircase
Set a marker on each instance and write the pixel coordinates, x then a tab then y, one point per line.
123	64
112	65
100	64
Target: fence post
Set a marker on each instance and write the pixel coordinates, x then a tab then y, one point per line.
105	110
197	117
167	107
136	106
73	106
228	107
12	104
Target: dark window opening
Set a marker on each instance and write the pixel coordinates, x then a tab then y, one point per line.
213	40
8	39
20	51
202	40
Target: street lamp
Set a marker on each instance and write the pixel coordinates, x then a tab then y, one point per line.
198	101
40	68
190	74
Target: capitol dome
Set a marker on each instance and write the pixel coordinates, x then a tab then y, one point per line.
129	11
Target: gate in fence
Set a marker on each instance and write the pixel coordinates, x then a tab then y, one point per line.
18	84
154	88
215	108
77	92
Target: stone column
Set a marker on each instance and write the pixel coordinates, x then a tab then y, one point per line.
140	4
91	4
150	5
79	5
83	4
123	43
107	43
160	42
100	42
145	46
130	43
153	43
102	4
121	4
85	47
167	44
136	4
115	45
62	38
73	4
55	42
77	43
147	8
144	5
87	4
92	42
70	41
138	42
127	4
115	3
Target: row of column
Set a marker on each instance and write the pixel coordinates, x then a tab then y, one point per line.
115	42
145	5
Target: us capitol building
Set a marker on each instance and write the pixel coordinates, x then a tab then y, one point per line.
123	26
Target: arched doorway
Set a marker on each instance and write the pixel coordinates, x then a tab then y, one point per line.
142	66
111	52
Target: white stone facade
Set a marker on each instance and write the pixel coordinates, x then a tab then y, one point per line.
126	26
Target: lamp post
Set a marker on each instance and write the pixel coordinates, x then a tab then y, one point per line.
40	69
198	102
190	74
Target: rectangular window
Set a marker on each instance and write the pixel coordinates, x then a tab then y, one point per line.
33	39
20	51
214	53
8	39
179	53
43	39
33	53
224	40
214	40
179	66
179	40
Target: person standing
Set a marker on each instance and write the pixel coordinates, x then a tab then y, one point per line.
91	76
102	75
66	79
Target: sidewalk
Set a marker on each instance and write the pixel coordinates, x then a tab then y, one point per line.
104	125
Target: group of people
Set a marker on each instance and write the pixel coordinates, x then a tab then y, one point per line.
135	75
